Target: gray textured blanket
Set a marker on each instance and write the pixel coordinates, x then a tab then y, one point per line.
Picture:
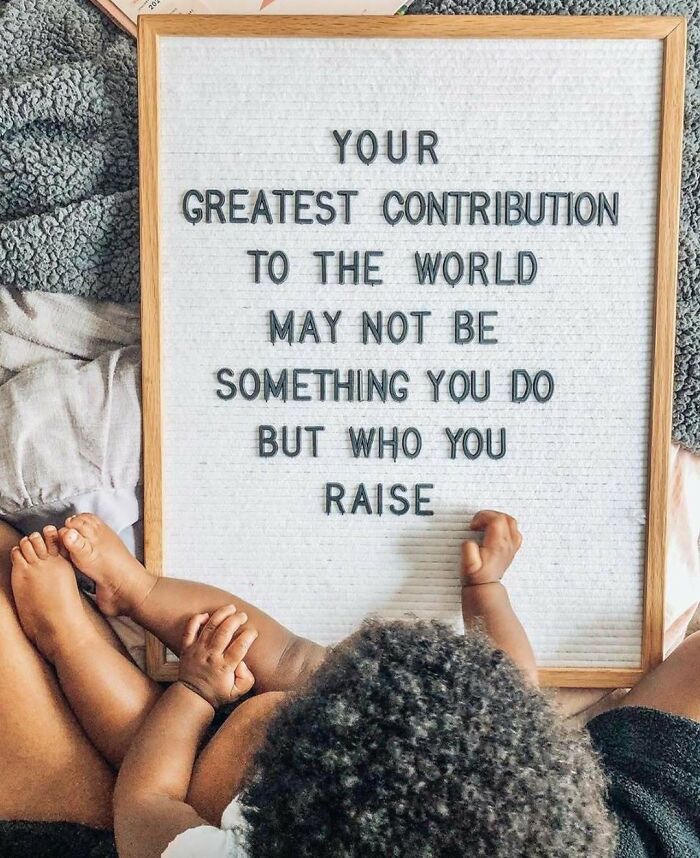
68	151
68	157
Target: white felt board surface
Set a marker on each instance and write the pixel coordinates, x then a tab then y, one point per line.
527	115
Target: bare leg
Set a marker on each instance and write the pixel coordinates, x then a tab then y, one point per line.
682	579
163	605
673	686
108	693
48	768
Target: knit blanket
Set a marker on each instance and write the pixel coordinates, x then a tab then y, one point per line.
68	157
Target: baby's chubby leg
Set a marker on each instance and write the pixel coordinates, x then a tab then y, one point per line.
109	695
163	605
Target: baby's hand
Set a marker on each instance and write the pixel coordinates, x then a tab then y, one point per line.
486	563
211	660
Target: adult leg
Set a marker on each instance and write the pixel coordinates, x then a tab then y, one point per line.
682	580
49	770
673	686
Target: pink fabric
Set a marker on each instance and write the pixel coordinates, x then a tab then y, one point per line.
683	563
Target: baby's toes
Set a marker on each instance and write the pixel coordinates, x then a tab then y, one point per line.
85	523
77	545
53	543
39	546
17	559
27	549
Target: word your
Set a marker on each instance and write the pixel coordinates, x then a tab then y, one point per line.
366	146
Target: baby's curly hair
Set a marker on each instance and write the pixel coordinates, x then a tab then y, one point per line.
411	740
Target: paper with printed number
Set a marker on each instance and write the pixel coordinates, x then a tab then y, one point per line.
133	8
578	116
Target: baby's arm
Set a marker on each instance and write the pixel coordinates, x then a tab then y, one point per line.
278	658
150	807
485	600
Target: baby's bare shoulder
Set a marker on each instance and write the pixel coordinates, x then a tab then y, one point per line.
220	770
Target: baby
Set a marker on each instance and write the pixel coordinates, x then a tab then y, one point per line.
404	739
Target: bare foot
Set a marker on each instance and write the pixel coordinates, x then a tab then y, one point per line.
121	582
48	601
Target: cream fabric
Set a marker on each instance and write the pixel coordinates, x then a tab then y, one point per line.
206	840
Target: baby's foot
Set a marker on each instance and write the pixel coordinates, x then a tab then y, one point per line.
121	582
48	601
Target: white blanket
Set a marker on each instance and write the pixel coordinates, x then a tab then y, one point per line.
70	418
70	422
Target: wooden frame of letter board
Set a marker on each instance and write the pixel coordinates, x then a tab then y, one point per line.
671	30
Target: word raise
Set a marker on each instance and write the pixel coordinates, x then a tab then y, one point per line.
395	499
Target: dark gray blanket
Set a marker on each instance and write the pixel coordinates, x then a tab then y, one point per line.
652	761
68	151
68	157
54	839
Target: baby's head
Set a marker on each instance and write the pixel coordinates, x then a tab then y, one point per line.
413	740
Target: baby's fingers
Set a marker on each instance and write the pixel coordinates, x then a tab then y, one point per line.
194	624
244	679
500	531
215	620
493	522
237	650
224	633
471	557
